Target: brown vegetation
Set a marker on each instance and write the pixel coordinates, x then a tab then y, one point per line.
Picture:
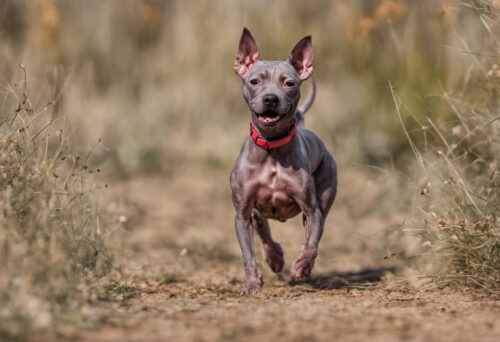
148	88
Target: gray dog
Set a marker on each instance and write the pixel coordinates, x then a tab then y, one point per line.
283	169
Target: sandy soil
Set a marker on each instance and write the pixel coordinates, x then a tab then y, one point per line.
183	273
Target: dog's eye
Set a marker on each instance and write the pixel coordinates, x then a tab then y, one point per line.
254	81
289	84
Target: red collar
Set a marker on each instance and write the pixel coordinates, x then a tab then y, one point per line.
269	144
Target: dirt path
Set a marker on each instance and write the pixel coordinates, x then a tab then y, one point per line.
183	274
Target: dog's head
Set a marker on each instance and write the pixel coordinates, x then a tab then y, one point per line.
272	88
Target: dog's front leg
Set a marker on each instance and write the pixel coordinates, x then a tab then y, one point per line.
313	224
244	231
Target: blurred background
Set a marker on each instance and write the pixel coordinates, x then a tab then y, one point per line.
154	79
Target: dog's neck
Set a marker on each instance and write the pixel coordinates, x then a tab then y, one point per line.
268	144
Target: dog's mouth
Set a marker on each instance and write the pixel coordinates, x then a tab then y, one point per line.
269	117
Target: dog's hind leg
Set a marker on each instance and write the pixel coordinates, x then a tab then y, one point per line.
274	253
325	184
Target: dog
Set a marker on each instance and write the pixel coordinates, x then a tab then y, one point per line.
283	169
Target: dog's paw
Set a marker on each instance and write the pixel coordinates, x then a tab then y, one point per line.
274	257
252	285
302	267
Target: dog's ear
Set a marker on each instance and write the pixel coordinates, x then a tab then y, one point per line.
301	57
248	53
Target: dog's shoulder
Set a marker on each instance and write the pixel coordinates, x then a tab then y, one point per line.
309	136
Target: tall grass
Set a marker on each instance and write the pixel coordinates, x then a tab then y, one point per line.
155	78
52	242
456	176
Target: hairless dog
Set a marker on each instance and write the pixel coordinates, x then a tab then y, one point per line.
283	169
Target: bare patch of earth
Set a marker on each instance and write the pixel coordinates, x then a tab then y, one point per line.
182	274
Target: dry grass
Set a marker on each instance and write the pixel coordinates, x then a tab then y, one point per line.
53	239
456	187
456	178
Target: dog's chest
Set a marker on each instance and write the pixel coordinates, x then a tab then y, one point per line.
274	191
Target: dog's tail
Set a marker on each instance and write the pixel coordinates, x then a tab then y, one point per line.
304	107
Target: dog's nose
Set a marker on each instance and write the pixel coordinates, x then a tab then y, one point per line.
271	100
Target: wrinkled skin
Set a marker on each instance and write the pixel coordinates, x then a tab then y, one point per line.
279	183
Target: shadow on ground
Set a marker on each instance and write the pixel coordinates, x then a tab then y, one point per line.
337	280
